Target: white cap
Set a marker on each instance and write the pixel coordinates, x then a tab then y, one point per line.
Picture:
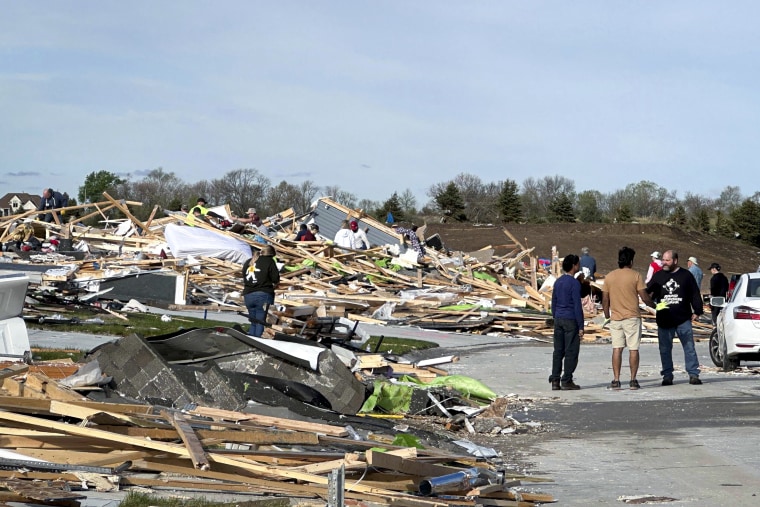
694	260
655	254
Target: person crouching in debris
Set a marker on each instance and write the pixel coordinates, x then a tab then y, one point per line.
51	200
260	279
201	212
410	234
568	325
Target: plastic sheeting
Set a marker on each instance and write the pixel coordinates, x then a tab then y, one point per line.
184	241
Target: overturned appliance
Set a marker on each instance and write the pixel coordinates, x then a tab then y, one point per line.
224	368
14	340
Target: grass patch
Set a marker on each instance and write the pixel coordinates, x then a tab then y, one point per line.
134	499
39	354
146	324
398	346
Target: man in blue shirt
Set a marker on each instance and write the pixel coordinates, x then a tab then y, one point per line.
568	325
695	270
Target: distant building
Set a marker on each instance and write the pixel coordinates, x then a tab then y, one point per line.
13	204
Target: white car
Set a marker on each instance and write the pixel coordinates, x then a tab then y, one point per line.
737	334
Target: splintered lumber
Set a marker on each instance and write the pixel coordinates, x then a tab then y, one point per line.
263	420
188	436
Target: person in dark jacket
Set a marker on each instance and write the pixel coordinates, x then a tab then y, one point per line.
718	287
568	325
304	234
51	199
678	303
588	264
260	279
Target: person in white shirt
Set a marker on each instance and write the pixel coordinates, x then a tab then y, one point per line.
360	237
344	237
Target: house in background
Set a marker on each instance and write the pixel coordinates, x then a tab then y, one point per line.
12	204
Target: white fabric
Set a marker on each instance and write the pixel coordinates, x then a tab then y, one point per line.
344	238
193	241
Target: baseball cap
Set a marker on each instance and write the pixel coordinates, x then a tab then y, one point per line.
715	265
655	254
694	260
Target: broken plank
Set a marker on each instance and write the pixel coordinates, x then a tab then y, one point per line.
277	422
190	439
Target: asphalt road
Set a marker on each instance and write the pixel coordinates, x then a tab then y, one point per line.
685	444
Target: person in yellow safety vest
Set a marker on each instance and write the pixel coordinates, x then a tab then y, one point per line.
200	212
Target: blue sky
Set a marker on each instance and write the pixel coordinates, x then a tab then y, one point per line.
381	96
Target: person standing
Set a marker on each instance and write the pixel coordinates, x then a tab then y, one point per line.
620	303
654	266
718	287
344	238
568	325
360	237
695	270
678	303
260	279
588	264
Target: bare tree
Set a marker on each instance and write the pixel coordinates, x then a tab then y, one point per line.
538	194
158	187
343	197
730	198
407	202
307	190
282	197
241	189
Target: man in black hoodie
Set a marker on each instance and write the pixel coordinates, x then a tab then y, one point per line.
678	303
260	279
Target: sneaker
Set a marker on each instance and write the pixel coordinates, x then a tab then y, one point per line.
694	380
555	385
667	381
615	384
570	386
634	384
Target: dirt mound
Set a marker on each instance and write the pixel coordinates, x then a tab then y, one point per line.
604	241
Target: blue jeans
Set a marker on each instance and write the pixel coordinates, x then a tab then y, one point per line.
686	336
567	346
257	303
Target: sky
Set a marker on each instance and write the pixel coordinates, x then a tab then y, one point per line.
382	96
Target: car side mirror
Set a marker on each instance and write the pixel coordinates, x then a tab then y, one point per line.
718	301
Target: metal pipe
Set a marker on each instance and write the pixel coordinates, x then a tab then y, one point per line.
458	481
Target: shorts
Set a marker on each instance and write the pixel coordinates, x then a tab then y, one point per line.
626	332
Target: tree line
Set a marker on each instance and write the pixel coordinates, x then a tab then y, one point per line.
465	198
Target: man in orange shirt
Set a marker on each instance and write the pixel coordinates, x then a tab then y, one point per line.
620	303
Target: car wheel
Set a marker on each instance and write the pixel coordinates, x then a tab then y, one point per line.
729	363
715	355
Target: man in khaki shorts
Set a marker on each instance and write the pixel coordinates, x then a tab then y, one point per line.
620	303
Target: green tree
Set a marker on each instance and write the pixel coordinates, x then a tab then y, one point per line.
723	225
450	203
678	217
624	213
392	205
95	184
746	220
561	209
700	221
588	206
510	204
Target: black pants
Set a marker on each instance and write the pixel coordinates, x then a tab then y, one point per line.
567	346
